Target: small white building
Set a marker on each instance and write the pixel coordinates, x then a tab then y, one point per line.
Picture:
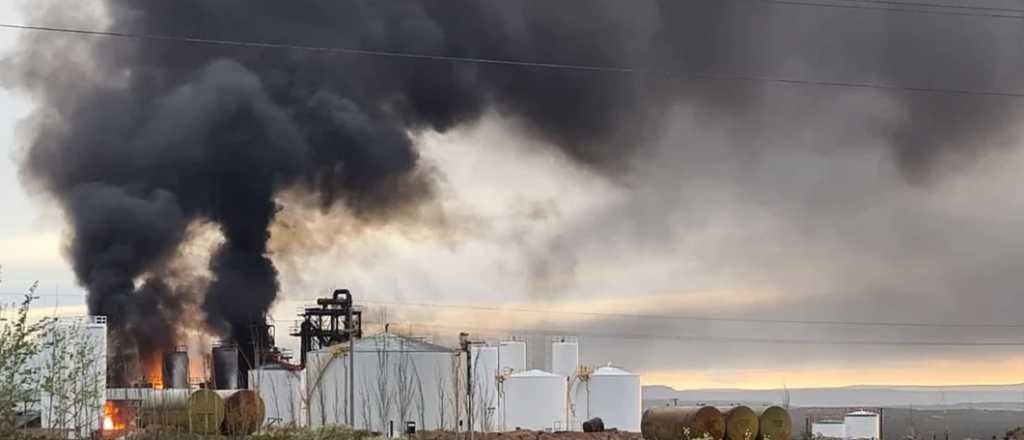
534	400
829	429
863	425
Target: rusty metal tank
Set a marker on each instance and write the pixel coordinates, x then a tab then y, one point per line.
225	367
682	423
199	412
244	412
741	423
774	423
175	370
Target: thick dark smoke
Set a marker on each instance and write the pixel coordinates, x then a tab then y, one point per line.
137	139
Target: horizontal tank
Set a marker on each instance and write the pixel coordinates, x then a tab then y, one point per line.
613	394
741	423
534	400
175	370
199	412
775	423
682	423
244	412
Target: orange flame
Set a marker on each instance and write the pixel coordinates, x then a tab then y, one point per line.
110	422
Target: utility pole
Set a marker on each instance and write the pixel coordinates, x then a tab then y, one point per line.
467	347
351	377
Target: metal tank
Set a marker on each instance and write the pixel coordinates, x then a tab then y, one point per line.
862	425
511	356
534	400
775	423
199	412
682	423
175	369
565	356
225	367
613	394
244	412
829	429
485	387
281	389
741	423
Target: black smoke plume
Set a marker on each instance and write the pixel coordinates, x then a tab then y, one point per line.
138	139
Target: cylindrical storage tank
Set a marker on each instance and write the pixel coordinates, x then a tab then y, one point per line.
511	356
485	385
862	425
534	400
682	423
244	411
175	370
199	412
829	429
565	356
281	390
613	394
741	423
225	367
775	423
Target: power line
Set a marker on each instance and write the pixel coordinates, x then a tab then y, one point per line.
611	69
890	6
725	339
935	5
703	318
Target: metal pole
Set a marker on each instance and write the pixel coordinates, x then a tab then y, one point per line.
351	378
469	389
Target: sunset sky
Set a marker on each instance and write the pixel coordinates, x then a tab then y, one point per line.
694	256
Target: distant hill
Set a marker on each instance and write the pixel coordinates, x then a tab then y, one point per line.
961	396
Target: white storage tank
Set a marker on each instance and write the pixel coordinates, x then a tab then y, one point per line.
485	387
829	429
862	425
534	400
613	394
281	388
511	356
79	344
397	379
565	356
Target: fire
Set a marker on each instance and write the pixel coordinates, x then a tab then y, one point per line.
108	423
154	374
112	418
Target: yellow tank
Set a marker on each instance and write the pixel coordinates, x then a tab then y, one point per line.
775	423
199	412
682	423
741	423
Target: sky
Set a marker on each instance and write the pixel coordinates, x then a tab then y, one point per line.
823	221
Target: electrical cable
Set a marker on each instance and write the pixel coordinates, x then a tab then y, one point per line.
521	63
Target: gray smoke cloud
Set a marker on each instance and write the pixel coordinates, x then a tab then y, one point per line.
138	139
